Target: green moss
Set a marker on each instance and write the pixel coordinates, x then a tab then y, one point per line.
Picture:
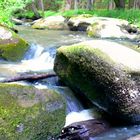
88	70
13	51
83	49
14	48
82	16
93	30
75	63
29	113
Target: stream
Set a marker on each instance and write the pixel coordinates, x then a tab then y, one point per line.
40	59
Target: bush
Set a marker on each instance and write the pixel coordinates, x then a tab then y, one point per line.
7	7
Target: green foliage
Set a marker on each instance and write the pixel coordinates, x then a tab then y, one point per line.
50	13
25	14
7	7
54	5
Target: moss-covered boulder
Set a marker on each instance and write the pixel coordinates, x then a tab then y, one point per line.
12	47
112	28
27	113
51	23
106	72
103	27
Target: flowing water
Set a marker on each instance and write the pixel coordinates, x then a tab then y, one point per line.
40	59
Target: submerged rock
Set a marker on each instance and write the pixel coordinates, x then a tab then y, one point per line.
52	23
103	27
103	71
12	47
27	113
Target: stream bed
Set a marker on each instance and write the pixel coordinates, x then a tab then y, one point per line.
40	59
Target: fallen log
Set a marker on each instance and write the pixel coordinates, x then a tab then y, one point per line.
29	77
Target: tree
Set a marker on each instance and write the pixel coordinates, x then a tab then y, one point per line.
111	4
68	4
41	6
34	9
90	4
120	4
136	4
131	4
76	4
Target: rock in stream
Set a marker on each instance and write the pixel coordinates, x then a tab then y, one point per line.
103	71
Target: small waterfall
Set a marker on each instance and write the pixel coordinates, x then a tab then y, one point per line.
34	52
37	59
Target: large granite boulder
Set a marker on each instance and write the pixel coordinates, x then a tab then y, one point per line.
12	47
103	27
106	72
52	23
28	113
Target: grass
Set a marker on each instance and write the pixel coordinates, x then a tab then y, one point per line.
133	16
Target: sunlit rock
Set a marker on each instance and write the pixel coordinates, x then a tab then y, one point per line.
12	47
28	113
106	72
52	23
103	27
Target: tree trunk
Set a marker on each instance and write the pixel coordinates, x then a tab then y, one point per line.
41	6
137	4
76	4
111	5
90	4
131	4
120	4
68	4
37	15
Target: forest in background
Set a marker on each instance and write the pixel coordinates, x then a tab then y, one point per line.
34	9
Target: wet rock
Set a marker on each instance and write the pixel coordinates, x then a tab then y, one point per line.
137	137
12	47
84	130
103	71
29	113
103	27
52	23
111	28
